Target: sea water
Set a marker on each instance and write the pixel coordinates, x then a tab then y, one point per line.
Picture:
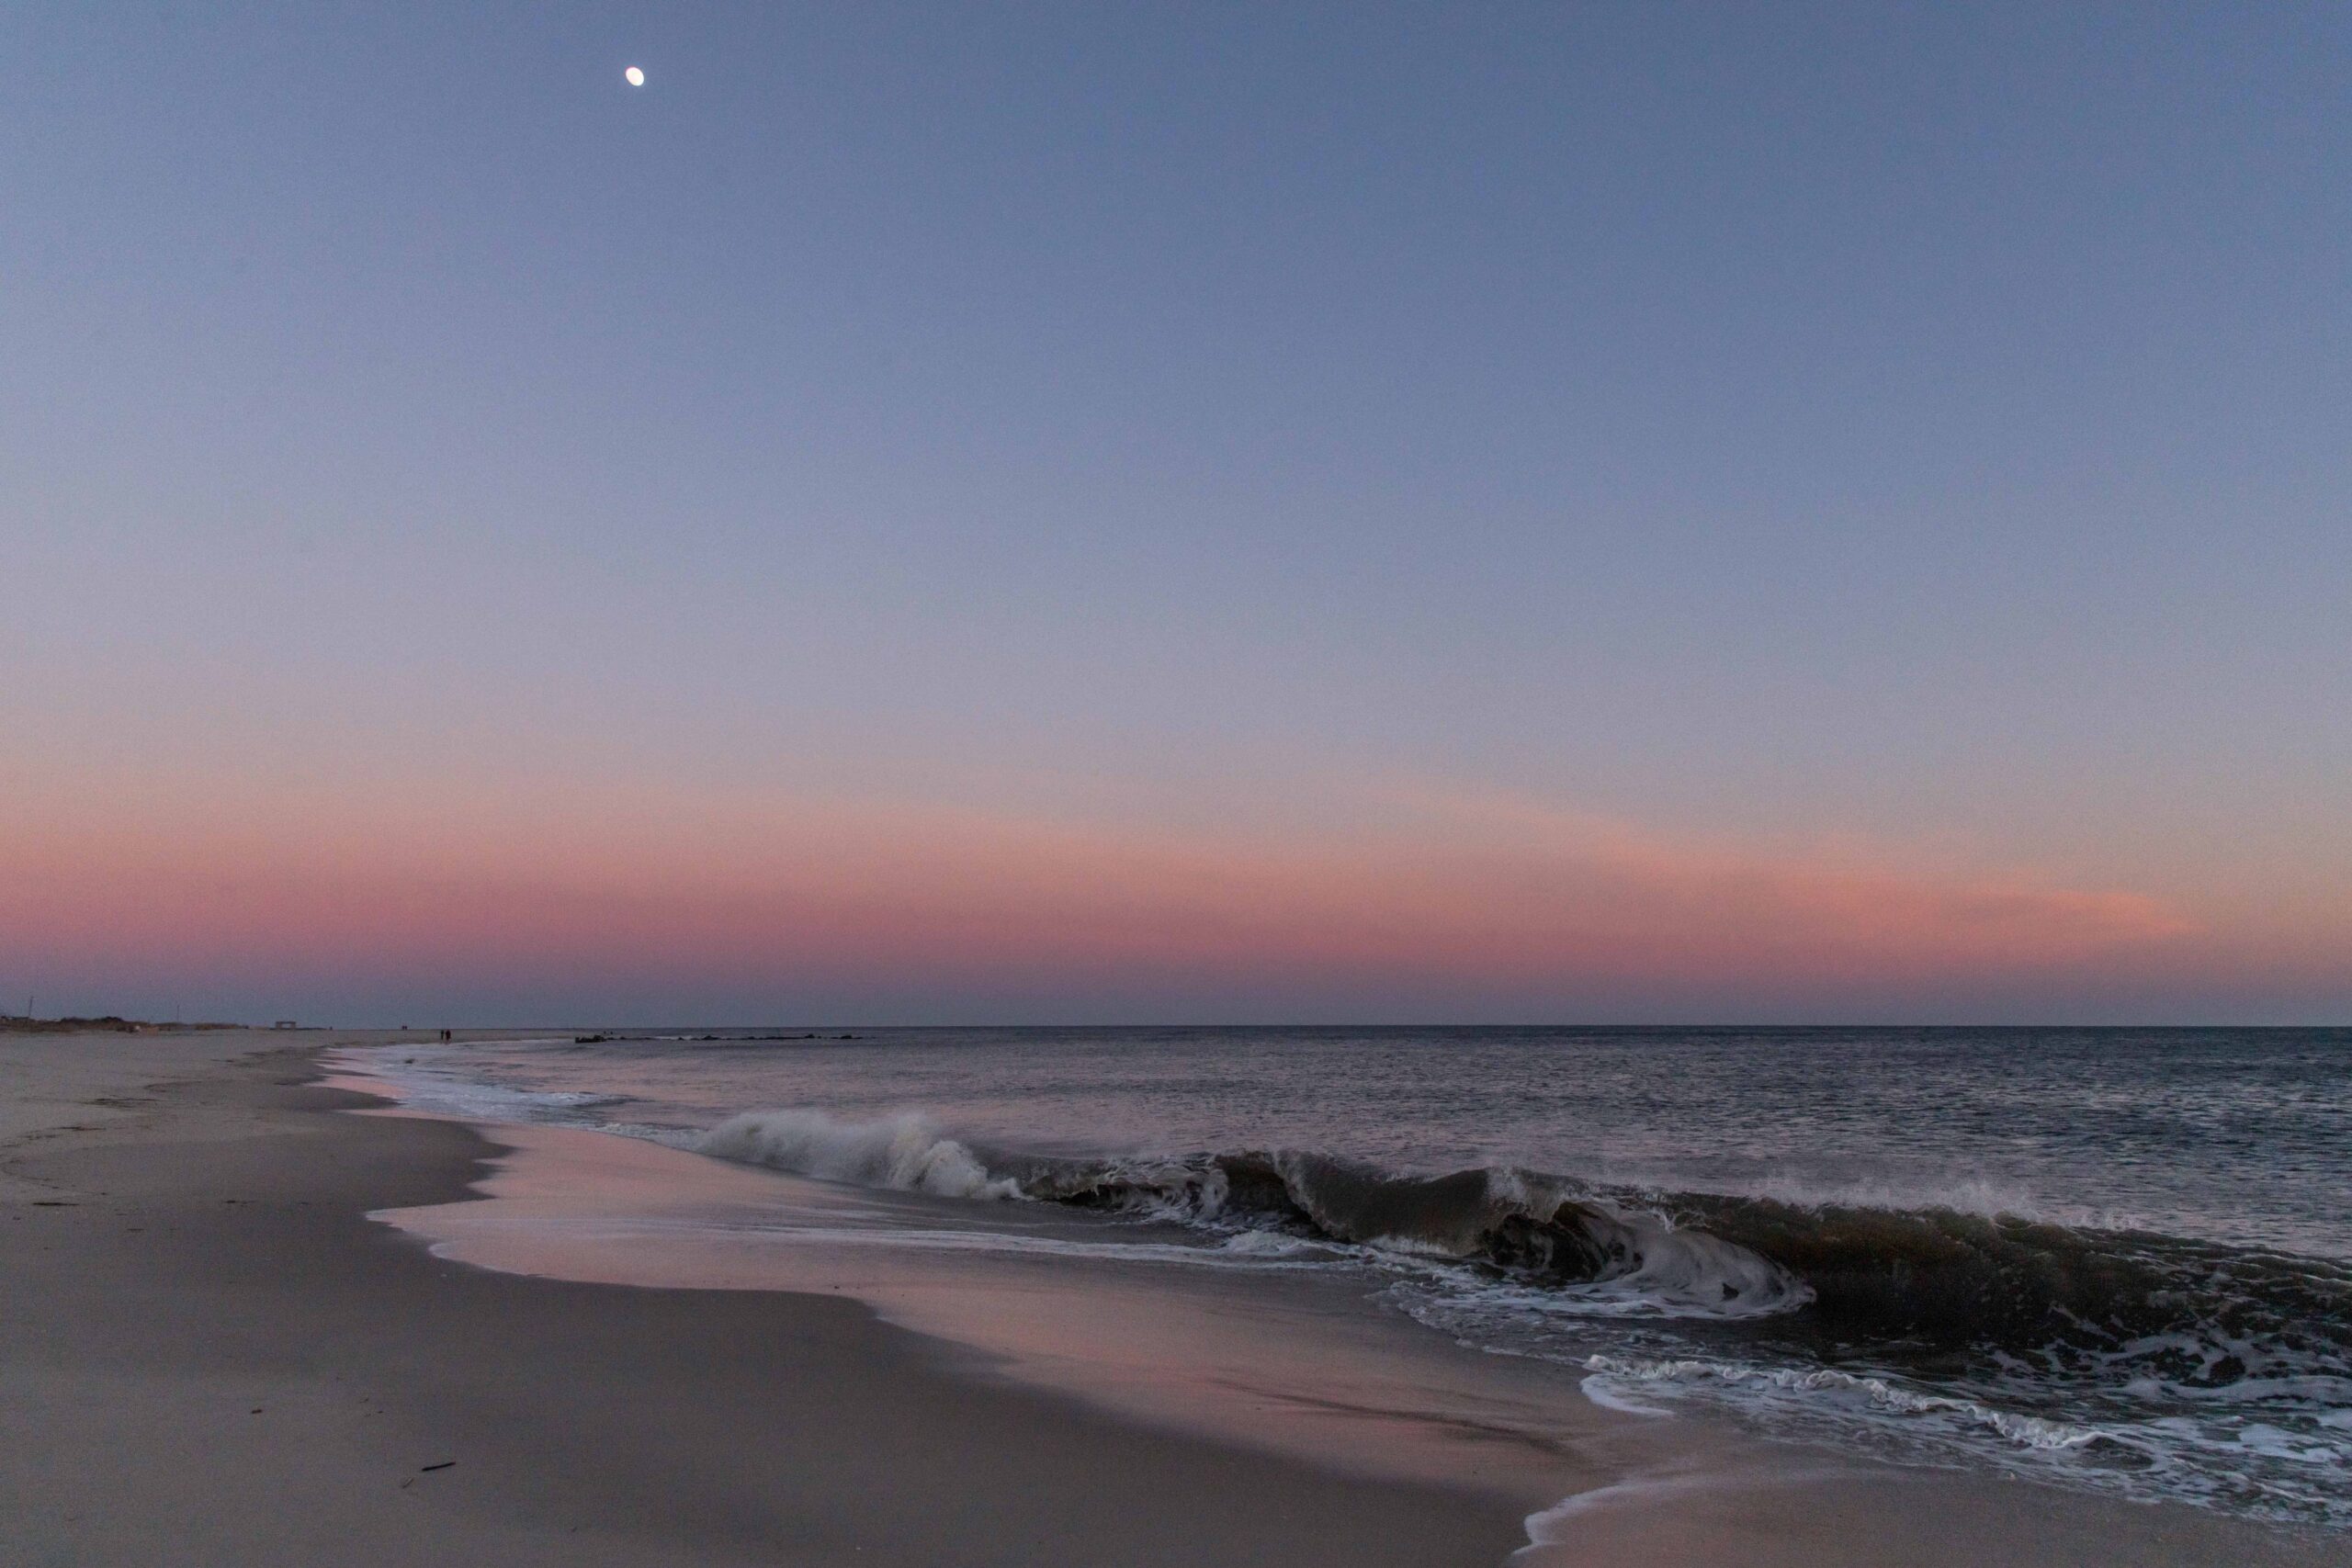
2119	1259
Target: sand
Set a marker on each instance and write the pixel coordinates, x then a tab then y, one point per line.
212	1355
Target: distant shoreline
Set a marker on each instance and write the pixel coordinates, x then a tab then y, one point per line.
107	1024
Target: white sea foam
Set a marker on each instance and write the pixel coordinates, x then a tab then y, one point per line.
414	1076
1550	1526
1598	1389
1690	1271
906	1153
2028	1431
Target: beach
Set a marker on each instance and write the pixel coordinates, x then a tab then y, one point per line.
215	1356
1081	786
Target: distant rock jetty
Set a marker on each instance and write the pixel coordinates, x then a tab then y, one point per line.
728	1039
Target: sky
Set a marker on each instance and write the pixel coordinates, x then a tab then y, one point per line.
1076	513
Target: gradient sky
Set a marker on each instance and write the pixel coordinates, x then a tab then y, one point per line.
1565	512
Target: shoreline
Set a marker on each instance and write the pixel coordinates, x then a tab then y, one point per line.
220	1357
217	1358
1291	1367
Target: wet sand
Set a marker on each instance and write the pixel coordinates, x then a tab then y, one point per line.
214	1357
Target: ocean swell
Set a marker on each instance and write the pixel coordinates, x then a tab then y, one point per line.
1937	1280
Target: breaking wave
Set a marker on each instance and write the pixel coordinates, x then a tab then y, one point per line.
2152	1363
1505	1219
1938	1278
905	1152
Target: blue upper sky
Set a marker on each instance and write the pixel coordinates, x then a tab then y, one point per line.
1927	422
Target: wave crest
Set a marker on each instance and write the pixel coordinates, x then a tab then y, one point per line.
906	1152
1501	1218
2193	1313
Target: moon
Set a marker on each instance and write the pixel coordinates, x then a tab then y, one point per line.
633	76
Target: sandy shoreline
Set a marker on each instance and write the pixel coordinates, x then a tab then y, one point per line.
215	1357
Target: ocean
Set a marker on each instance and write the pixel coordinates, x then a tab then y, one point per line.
2117	1260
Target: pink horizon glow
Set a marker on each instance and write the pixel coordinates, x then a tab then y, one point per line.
1450	899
